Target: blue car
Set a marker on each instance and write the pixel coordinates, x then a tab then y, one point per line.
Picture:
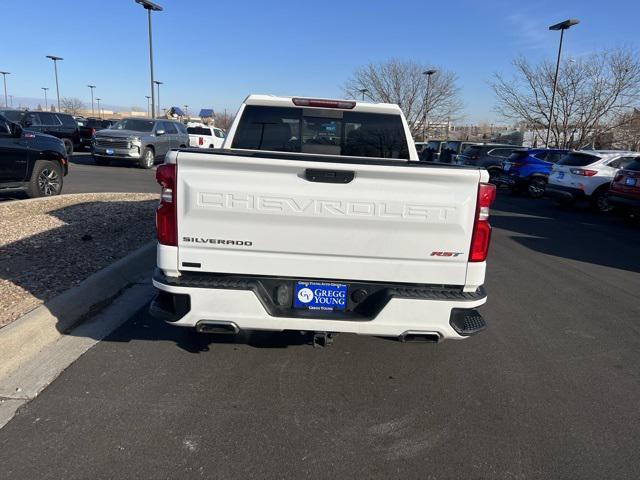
528	170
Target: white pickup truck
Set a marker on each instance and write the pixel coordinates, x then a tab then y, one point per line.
316	216
204	136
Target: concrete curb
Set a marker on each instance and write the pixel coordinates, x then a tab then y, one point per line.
24	338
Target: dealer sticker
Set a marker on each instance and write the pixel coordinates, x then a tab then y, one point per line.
320	296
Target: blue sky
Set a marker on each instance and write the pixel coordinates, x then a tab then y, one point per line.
212	53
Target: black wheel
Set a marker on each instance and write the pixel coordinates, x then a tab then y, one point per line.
494	176
46	179
148	158
536	187
600	201
101	161
68	146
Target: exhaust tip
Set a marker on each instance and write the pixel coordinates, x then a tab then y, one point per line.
218	327
418	336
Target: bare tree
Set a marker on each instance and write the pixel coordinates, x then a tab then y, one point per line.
224	120
403	82
626	133
592	91
71	105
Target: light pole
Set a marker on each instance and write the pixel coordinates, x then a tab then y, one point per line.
158	83
186	111
363	91
92	87
55	68
428	73
149	7
148	107
562	26
46	107
4	75
99	111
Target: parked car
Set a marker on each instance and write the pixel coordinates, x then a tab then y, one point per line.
317	216
528	170
451	149
205	136
624	193
586	175
88	128
138	140
30	161
61	125
431	151
489	156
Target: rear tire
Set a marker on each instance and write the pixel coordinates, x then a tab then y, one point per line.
536	187
148	158
68	146
46	179
600	202
494	175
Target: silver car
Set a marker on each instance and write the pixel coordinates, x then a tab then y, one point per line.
139	140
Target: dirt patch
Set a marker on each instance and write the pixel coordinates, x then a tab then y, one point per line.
50	245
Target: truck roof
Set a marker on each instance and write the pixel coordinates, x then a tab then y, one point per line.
276	101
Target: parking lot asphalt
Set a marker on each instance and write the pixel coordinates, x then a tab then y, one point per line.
86	177
550	390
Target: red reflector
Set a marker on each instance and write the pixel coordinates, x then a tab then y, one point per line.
166	222
200	141
481	237
322	103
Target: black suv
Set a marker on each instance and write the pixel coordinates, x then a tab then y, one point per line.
488	155
29	161
61	125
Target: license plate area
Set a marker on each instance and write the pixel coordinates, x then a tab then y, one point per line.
320	296
630	182
506	166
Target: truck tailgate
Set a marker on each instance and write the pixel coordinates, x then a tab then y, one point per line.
261	216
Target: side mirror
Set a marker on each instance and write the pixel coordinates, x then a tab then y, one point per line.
160	132
16	130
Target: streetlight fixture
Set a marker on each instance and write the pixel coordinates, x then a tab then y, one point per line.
46	107
363	91
55	68
428	73
99	111
150	7
4	75
158	83
186	110
92	87
562	26
148	107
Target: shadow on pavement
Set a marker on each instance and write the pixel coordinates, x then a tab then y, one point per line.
569	232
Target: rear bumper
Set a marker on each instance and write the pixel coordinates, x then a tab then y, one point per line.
560	192
447	313
624	201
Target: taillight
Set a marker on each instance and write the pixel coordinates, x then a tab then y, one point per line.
322	103
93	132
618	177
200	141
166	221
583	172
481	228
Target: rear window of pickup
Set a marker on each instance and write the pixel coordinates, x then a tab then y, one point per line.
321	131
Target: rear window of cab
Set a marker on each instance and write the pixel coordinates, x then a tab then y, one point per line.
634	166
321	131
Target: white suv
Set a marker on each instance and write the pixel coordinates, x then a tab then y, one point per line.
586	175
